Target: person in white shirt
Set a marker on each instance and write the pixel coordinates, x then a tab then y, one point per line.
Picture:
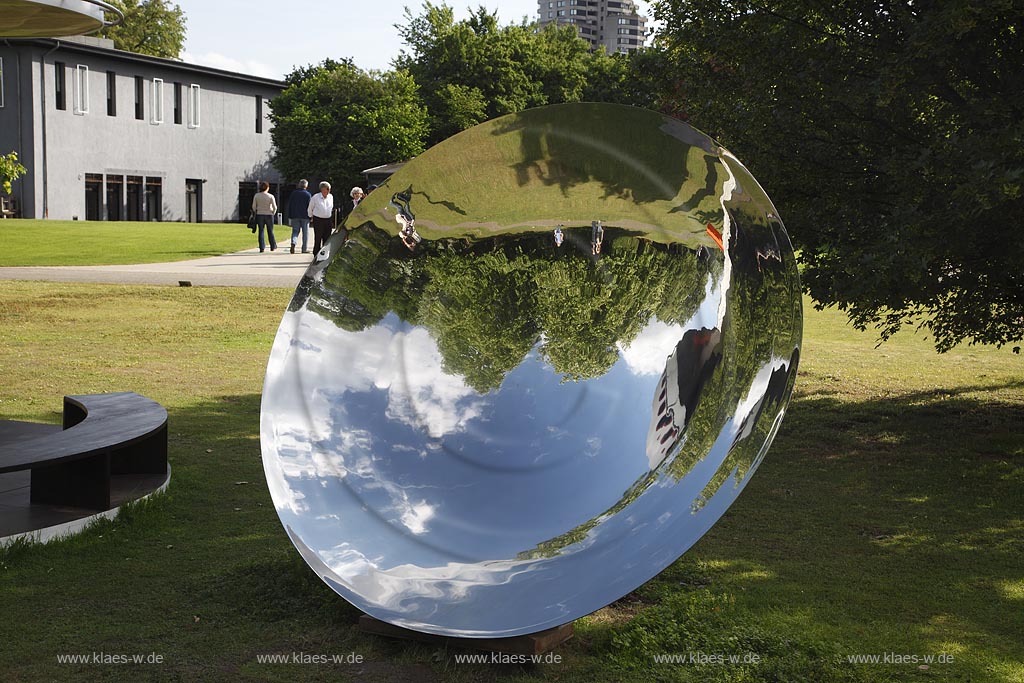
265	206
321	213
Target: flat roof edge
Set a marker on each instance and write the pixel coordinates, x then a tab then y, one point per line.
144	59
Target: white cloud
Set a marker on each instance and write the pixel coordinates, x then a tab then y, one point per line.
215	60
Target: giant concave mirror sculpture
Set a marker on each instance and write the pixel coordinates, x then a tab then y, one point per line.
473	431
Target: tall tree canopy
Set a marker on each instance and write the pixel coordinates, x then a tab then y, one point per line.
150	27
474	70
334	120
891	135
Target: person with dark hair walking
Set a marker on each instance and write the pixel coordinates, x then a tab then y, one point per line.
298	205
265	206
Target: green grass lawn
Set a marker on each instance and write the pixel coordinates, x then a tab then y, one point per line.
888	519
28	242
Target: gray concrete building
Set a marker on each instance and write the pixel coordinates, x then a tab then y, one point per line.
111	135
615	24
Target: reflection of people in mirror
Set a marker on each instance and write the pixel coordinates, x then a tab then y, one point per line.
558	236
596	237
407	220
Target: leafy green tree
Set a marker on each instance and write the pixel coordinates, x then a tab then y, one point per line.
890	136
333	120
10	170
150	27
473	70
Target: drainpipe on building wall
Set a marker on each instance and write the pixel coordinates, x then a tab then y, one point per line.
42	68
21	132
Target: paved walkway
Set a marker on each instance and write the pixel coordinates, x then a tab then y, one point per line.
247	268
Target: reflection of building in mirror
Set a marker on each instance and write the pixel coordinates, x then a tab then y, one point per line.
678	392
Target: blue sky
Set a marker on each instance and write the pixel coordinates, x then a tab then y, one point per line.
269	38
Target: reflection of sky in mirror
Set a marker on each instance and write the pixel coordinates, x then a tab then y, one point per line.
426	583
480	476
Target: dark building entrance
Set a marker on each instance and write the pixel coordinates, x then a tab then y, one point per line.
93	196
115	197
135	198
154	199
193	200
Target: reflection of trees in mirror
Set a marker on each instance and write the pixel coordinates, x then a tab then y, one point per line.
760	335
762	324
488	302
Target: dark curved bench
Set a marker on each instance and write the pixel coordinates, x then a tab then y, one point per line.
103	435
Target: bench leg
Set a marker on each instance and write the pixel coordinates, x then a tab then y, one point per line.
81	483
148	456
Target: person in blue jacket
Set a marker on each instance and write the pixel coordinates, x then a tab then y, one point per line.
297	216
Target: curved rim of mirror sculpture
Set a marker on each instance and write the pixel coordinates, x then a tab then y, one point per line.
538	364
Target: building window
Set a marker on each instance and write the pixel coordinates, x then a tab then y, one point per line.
561	12
193	106
111	93
139	93
259	114
156	107
177	103
1	82
81	89
551	15
60	89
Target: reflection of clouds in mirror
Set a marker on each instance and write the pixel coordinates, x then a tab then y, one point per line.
390	588
406	364
349	456
646	354
421	393
399	508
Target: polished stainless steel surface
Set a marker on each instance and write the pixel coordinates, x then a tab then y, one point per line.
542	362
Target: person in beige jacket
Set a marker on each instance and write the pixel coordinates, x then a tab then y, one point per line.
265	206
